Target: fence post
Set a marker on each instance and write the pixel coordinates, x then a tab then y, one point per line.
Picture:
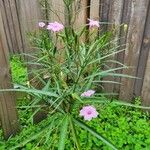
8	114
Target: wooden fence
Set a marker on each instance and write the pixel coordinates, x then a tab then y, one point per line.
22	16
8	113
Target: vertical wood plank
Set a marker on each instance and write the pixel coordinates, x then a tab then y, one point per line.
104	13
134	40
6	26
29	16
57	11
94	9
125	20
15	18
11	25
115	15
146	83
8	114
81	11
143	56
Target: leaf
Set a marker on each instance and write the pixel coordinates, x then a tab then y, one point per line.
84	126
104	100
63	134
29	91
74	133
106	56
107	72
129	105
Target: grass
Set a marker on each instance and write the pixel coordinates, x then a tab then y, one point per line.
127	128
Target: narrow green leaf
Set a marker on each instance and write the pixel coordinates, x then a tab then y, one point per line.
102	58
30	91
107	72
74	134
104	100
63	134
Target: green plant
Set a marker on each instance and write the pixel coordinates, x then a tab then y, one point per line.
69	69
128	128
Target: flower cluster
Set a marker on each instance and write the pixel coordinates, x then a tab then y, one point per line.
57	27
88	112
53	26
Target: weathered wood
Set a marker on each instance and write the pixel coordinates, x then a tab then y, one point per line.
81	12
104	13
8	114
146	69
146	83
143	56
6	26
94	15
15	18
95	9
114	17
57	11
134	40
125	20
11	25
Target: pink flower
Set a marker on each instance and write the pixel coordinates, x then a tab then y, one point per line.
55	26
41	24
88	112
88	93
93	23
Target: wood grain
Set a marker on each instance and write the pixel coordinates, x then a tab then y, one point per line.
114	17
8	114
143	57
134	40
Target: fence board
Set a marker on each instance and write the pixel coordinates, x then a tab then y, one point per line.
29	16
134	40
95	9
14	13
125	20
6	25
114	17
143	56
104	13
146	84
81	11
8	114
146	53
57	11
11	25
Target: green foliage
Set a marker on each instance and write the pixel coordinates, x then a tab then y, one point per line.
18	70
126	127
